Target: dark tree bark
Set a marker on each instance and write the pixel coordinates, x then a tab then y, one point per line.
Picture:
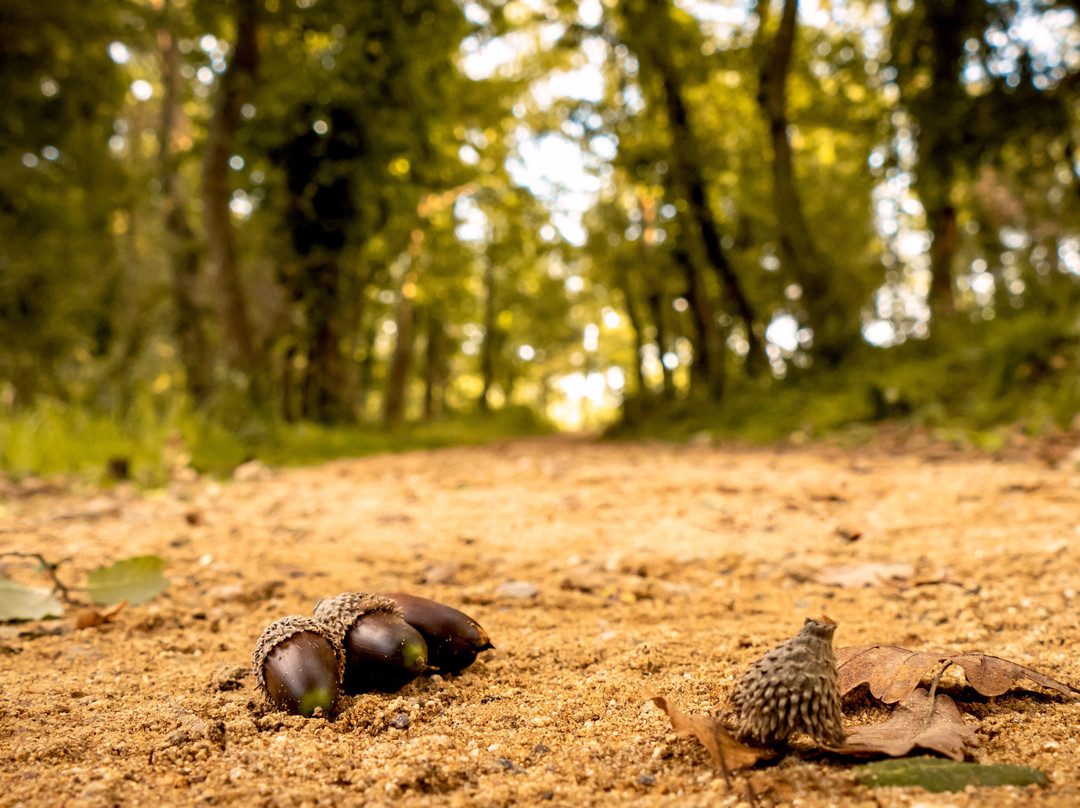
686	172
707	371
435	367
324	383
656	309
398	377
934	48
488	346
835	329
183	247
942	217
235	87
638	327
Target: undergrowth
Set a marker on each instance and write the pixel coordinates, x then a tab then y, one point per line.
55	438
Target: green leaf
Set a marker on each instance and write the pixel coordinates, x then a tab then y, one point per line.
136	580
937	775
18	602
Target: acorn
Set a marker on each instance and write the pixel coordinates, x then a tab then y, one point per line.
298	665
793	688
382	651
453	638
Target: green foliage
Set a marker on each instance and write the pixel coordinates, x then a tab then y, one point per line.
1019	370
135	580
387	249
18	602
59	439
936	775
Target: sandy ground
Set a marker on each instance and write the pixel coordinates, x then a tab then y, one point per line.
597	569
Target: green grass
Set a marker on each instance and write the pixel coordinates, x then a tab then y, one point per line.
54	438
1023	373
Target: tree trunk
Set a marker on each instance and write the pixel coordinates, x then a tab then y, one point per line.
686	171
487	348
435	370
707	371
182	246
398	377
656	308
326	399
234	88
366	371
942	218
835	331
638	327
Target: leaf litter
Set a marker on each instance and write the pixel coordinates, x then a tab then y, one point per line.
893	672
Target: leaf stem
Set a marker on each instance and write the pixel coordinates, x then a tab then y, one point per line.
50	570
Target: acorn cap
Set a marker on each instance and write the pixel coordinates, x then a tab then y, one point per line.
339	613
281	630
793	688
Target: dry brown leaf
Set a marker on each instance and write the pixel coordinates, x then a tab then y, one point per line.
94	616
727	753
871	573
914	726
893	672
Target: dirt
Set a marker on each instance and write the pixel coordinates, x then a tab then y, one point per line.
598	570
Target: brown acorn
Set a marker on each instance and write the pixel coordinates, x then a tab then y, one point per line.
793	688
382	651
298	665
453	638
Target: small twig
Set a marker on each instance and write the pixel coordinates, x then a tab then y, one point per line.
933	690
50	570
724	770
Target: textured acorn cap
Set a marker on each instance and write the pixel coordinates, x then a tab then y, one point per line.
279	631
793	688
341	612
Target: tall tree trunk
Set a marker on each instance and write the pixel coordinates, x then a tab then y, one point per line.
234	88
326	399
638	327
398	377
708	367
835	330
366	371
182	246
686	171
487	348
435	370
942	217
656	308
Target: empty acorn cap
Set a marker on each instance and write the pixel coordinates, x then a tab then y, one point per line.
298	665
793	688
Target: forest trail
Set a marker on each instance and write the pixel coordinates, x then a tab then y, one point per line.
597	568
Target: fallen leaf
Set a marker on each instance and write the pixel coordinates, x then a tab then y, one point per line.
727	753
93	616
913	725
893	672
936	775
871	573
18	602
135	579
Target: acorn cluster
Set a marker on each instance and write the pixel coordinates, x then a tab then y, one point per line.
358	642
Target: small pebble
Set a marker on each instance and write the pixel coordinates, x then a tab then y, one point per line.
518	590
400	721
646	779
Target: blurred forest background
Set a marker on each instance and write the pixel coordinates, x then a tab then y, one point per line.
290	229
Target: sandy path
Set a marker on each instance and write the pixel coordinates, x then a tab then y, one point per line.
664	566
